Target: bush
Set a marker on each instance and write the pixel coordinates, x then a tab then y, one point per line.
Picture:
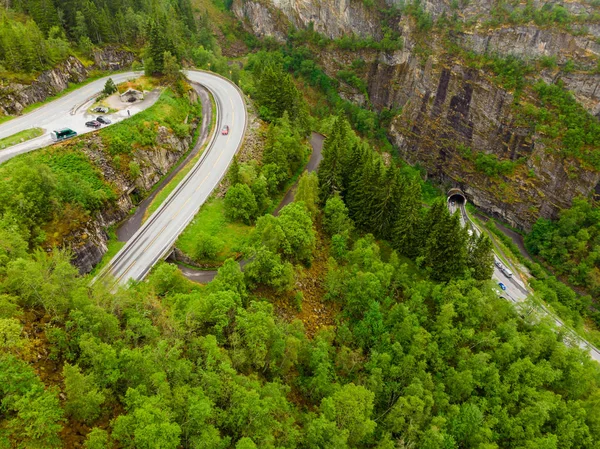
240	204
207	246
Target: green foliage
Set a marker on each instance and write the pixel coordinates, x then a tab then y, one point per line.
240	204
52	31
109	87
276	92
308	192
97	439
267	269
336	219
564	120
570	245
491	166
290	234
207	246
480	257
84	401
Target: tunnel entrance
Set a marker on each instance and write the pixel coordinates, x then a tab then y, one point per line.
457	196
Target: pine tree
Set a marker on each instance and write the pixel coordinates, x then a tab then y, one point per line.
367	191
332	167
405	233
386	203
481	257
444	249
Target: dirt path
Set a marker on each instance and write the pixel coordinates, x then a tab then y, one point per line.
316	142
130	226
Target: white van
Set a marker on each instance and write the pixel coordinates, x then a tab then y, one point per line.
507	272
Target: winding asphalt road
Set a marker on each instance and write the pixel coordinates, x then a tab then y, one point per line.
156	237
69	111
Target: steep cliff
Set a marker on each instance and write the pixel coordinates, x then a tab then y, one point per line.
450	83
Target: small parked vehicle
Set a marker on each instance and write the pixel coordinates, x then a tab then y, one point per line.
62	134
225	130
502	286
93	124
103	120
101	110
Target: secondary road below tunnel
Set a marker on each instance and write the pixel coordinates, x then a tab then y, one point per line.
517	292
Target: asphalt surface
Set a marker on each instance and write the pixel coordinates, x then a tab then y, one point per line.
156	237
69	111
130	226
517	292
316	142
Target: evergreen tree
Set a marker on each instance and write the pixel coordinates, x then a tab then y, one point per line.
444	249
109	87
386	203
481	257
331	168
405	233
308	192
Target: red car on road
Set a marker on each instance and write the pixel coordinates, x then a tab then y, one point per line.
225	130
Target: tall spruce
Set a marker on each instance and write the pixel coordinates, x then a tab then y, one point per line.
481	257
444	249
335	152
405	235
386	204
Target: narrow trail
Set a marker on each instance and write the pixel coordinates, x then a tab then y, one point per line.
130	226
316	142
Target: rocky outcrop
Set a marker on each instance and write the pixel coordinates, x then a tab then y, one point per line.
113	58
15	97
530	42
88	241
333	18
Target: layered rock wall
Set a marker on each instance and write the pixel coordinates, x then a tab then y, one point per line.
450	109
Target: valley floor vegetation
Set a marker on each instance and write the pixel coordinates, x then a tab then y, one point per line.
420	351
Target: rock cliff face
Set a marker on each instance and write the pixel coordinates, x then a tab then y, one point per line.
88	240
448	106
333	18
113	58
15	97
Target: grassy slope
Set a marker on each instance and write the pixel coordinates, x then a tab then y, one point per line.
211	220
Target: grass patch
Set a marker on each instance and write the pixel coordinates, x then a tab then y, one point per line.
21	136
142	83
211	220
141	130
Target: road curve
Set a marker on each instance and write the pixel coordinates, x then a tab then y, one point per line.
63	112
156	237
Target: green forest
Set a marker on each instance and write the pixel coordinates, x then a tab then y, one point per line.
364	316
